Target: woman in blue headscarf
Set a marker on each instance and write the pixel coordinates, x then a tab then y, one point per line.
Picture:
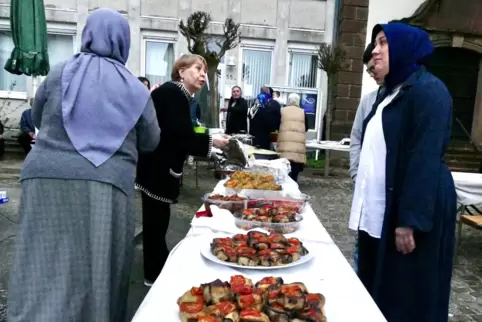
404	204
74	246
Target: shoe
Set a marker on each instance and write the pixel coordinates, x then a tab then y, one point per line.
148	283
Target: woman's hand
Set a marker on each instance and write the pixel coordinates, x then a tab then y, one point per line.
404	240
220	141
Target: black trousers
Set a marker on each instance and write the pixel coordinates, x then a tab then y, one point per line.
155	222
25	140
367	259
296	168
2	148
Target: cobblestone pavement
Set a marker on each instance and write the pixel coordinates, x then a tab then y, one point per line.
331	202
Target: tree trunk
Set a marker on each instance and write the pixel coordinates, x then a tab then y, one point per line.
329	117
213	108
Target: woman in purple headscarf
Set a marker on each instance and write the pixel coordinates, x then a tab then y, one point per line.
76	224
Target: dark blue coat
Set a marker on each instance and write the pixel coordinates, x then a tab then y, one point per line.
420	194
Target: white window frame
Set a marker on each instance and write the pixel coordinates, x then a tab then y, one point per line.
62	32
258	45
15	95
150	36
312	50
52	29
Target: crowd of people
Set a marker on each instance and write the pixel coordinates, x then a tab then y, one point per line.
74	247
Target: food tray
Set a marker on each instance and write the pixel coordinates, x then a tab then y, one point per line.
297	201
235	207
256	193
282	228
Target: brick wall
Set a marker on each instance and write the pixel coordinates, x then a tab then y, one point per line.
352	35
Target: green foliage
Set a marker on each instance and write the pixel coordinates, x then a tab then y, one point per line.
331	59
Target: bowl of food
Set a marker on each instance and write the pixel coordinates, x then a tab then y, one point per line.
269	218
235	203
294	203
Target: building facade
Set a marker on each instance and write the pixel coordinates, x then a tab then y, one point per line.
279	42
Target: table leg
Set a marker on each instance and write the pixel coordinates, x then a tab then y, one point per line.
327	163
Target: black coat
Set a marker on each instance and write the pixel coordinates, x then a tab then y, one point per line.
266	121
159	173
236	118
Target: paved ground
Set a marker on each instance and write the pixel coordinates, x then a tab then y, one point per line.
331	201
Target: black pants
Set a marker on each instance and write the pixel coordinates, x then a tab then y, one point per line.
2	148
296	168
367	259
155	222
25	140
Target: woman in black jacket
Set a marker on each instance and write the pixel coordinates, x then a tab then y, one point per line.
237	112
159	173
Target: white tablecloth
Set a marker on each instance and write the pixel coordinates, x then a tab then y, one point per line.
468	187
327	145
328	273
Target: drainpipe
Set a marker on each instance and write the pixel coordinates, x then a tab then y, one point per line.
328	118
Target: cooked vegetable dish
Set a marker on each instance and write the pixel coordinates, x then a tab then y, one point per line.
269	300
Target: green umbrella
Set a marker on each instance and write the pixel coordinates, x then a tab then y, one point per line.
29	33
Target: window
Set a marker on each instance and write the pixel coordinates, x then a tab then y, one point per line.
303	70
9	82
60	48
256	72
303	73
159	60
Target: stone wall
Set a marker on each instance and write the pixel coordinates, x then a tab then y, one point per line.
352	35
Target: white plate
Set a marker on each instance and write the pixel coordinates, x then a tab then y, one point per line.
206	252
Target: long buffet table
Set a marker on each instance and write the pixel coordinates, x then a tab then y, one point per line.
328	273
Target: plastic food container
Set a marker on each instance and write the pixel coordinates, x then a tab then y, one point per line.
235	207
297	203
281	228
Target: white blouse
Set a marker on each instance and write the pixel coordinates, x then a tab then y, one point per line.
368	206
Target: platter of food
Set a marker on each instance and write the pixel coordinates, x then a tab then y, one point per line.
234	203
240	180
257	250
273	219
240	300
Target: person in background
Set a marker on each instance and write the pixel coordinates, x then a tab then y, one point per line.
264	117
237	112
27	131
74	245
159	173
2	141
145	81
194	111
292	135
404	203
364	108
277	96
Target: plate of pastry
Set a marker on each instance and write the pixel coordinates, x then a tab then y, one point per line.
257	250
240	300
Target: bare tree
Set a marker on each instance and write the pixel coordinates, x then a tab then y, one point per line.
196	32
331	59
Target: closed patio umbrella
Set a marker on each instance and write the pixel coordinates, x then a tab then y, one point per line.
29	33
